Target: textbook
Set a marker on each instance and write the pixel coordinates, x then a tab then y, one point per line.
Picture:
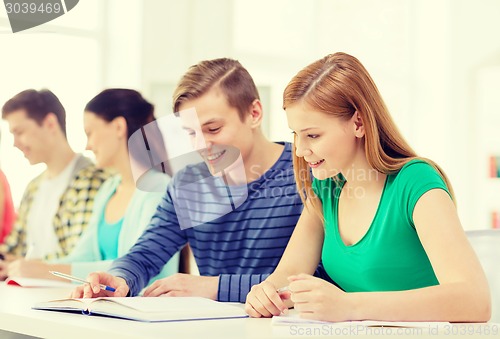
31	282
148	309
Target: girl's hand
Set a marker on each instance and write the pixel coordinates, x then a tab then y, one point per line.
318	299
264	301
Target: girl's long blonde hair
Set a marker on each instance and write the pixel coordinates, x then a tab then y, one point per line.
339	85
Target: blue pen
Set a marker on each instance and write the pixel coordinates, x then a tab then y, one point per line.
69	277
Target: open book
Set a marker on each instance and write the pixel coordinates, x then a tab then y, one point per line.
147	309
31	282
294	319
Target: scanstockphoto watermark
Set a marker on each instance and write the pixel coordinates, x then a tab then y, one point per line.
438	329
359	175
26	14
355	330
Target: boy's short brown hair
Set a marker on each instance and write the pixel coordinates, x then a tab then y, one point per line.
226	74
37	105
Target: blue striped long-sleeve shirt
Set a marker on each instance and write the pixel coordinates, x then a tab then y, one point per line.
237	237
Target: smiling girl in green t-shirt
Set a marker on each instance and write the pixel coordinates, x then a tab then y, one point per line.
381	219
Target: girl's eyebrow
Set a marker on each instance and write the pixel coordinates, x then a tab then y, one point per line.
307	129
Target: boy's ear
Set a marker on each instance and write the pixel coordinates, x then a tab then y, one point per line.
359	127
50	121
255	113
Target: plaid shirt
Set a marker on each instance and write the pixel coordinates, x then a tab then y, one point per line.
73	214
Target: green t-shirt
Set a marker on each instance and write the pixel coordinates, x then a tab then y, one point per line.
390	256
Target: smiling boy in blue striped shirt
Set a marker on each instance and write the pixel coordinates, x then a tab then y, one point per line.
237	224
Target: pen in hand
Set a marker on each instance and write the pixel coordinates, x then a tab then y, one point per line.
69	277
284	293
283	289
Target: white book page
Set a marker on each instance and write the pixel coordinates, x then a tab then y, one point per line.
165	308
178	304
149	309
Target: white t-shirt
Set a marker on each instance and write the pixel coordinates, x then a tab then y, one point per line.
40	236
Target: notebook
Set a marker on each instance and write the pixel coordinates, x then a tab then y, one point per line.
147	309
31	282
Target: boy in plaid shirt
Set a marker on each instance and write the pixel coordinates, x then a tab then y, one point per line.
57	204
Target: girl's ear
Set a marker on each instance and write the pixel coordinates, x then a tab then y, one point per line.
359	127
255	114
120	125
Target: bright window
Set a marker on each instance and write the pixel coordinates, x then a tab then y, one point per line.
65	56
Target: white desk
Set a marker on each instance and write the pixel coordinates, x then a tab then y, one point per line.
17	316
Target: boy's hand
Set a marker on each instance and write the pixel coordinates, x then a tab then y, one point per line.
93	290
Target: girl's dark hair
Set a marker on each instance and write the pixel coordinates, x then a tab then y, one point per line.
126	103
137	112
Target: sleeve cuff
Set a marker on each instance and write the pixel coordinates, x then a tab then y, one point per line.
132	287
235	287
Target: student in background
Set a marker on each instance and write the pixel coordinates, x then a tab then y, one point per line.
57	204
7	212
234	250
382	219
121	212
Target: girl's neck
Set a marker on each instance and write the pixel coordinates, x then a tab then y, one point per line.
361	174
122	167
